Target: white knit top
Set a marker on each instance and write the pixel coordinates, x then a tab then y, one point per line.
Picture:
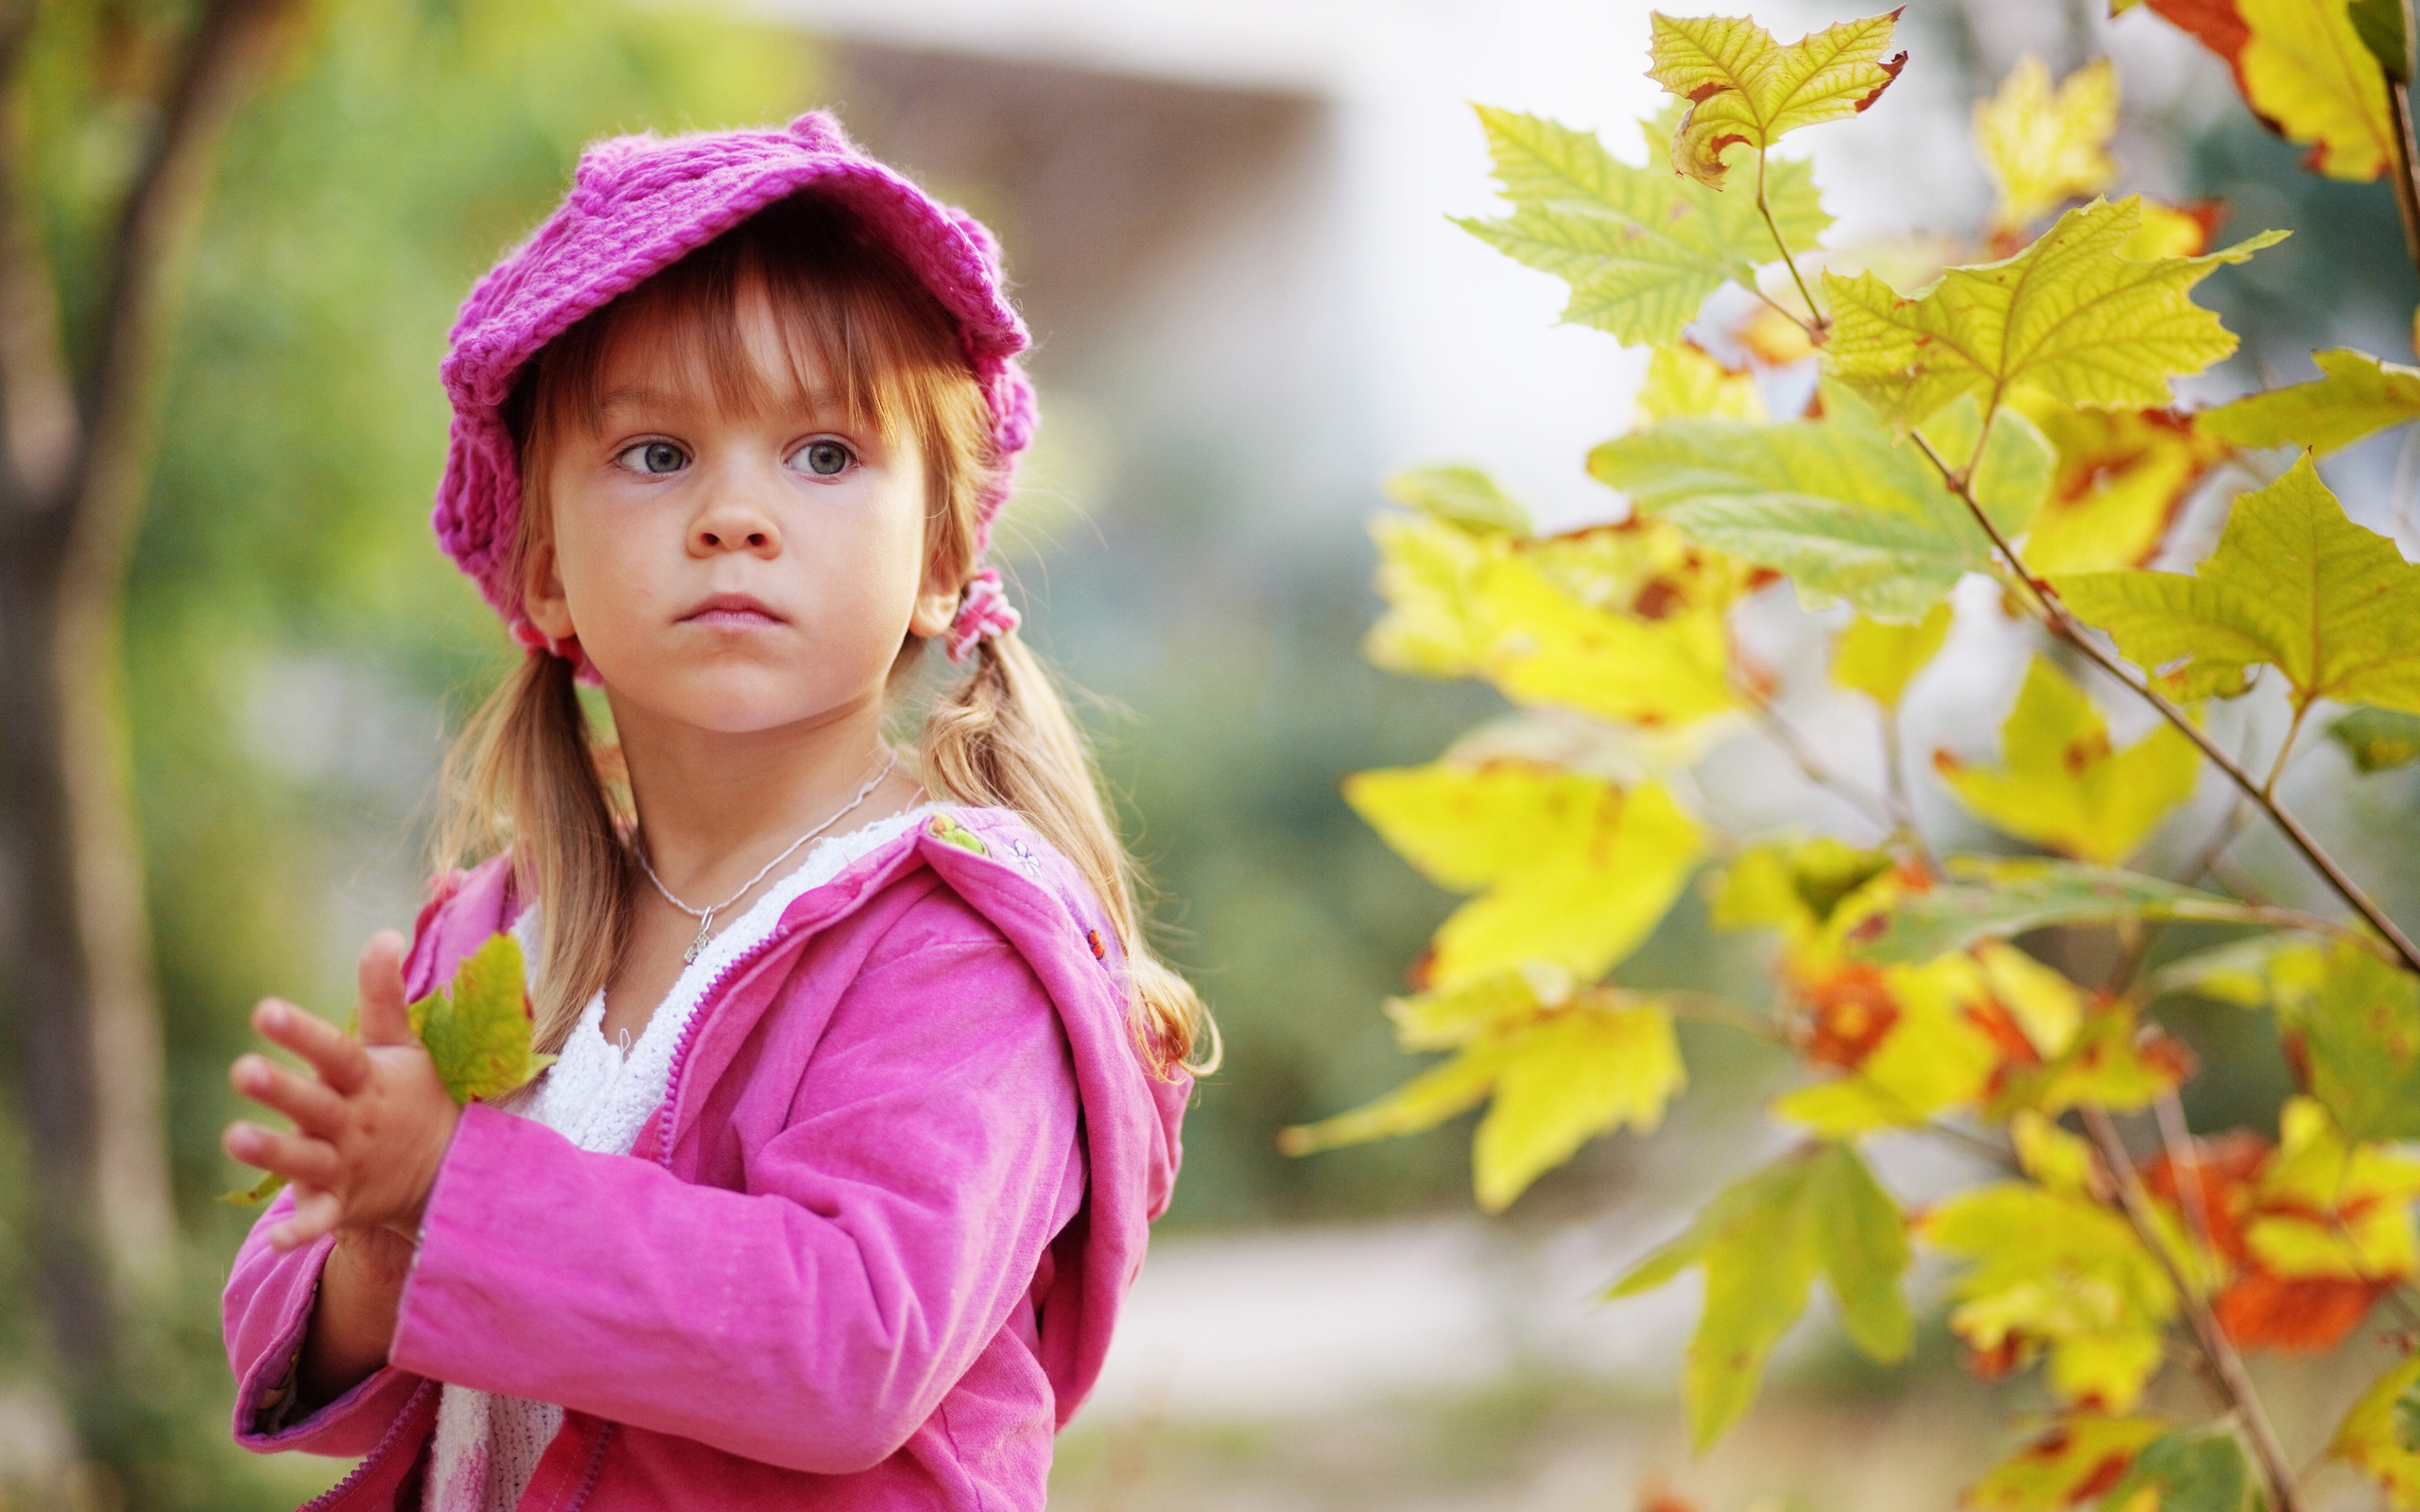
599	1095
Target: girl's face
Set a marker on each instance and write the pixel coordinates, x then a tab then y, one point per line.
729	571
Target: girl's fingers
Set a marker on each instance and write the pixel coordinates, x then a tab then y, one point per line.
385	1021
306	1100
316	1212
298	1157
334	1054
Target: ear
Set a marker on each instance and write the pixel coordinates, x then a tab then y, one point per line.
544	602
935	607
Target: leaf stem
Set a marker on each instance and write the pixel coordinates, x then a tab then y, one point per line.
1815	323
1706	1008
2215	1347
2056	618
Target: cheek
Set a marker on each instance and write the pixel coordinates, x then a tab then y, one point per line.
609	576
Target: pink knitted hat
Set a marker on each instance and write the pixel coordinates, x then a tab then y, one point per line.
637	205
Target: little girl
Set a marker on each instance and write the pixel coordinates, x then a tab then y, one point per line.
868	1081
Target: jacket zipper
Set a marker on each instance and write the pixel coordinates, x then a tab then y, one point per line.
681	1048
330	1497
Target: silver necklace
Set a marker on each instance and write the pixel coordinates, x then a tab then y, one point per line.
706	917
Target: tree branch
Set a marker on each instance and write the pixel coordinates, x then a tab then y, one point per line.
2064	625
162	212
38	422
2225	1364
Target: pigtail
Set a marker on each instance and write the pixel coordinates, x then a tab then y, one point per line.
525	773
1004	739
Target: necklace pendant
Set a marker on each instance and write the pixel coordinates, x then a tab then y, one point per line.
706	926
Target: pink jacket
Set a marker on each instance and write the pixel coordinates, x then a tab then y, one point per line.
867	1255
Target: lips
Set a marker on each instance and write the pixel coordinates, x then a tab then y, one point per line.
734	611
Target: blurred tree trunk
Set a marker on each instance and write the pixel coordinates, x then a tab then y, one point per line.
75	455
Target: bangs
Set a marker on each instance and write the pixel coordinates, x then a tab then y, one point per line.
859	335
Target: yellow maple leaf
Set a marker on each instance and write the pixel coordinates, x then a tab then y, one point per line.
2355	395
2332	1206
1559	1075
1570	869
1931	1058
2305	68
2056	1271
2044	147
2368	1437
2293	584
1624	622
1744	86
2067	1465
2123	475
1880	660
2065	785
2173	231
2069	316
1682	378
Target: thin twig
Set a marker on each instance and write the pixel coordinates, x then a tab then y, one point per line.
2056	618
2235	880
2184	1158
2407	193
1897	792
1778	731
2211	854
1705	1007
2215	1347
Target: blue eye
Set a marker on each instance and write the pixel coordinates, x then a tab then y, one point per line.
826	460
655	458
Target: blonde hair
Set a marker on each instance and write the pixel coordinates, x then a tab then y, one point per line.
528	774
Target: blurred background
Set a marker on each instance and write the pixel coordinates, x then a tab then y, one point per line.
1229	227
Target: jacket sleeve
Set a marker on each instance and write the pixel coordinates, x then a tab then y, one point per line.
264	1312
815	1319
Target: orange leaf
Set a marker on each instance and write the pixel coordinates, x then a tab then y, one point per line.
2309	1314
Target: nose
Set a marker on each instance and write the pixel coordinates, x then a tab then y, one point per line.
735	519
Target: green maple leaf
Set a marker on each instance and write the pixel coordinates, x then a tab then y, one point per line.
2357	395
2006	898
2358	1033
2067	317
2065	785
2202	1469
477	1030
1838	503
1459	496
1640	248
1560	1074
1744	87
2377	739
2292	584
1762	1242
1571	869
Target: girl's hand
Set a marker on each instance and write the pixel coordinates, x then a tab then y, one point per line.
369	1132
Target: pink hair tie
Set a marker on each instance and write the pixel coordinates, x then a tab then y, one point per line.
983	611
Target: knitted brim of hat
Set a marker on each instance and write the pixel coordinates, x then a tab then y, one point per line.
637	205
